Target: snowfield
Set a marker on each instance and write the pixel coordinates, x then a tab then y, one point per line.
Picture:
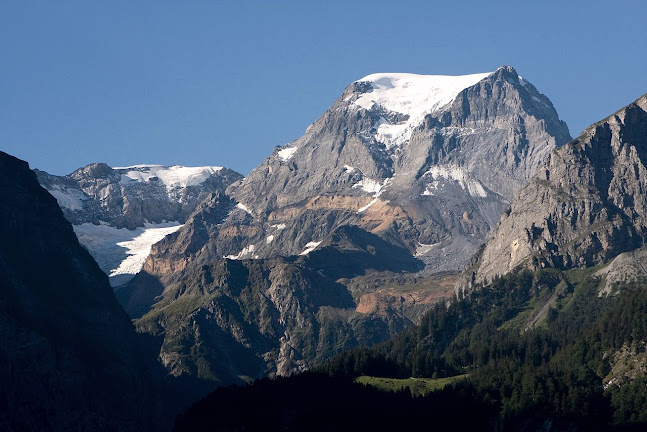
456	174
68	198
121	253
173	177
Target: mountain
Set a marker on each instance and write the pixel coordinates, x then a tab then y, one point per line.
118	213
69	355
402	156
383	197
554	339
585	206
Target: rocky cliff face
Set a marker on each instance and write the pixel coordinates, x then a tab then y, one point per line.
425	162
585	205
69	353
118	213
232	320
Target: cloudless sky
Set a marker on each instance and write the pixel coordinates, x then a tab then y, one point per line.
223	82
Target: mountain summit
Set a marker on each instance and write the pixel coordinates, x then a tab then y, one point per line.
425	162
407	99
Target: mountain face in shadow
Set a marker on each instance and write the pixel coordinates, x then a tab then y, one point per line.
69	352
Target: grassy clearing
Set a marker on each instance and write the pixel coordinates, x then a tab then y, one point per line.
577	276
442	283
417	386
180	307
518	323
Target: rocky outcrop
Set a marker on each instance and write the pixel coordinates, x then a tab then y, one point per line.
628	268
230	320
69	354
233	320
585	206
405	295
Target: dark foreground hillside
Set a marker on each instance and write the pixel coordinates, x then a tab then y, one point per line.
316	402
69	358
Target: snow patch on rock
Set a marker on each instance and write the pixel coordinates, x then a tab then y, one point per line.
310	246
454	173
369	185
242	254
363	209
173	177
374	187
244	208
286	153
68	198
413	96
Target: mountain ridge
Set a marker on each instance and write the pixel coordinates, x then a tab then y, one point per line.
584	207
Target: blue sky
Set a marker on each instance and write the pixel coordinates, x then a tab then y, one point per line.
222	83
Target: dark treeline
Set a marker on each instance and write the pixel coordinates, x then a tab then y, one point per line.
317	402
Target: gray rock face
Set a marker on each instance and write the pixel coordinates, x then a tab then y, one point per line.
585	206
443	181
500	131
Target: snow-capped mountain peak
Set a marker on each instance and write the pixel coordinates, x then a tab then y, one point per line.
410	95
394	155
172	176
